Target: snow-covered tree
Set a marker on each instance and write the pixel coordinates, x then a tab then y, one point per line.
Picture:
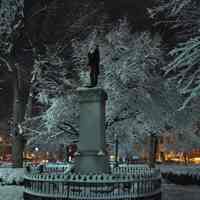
181	17
11	12
52	83
11	22
140	100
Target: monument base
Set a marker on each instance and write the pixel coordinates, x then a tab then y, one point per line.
91	162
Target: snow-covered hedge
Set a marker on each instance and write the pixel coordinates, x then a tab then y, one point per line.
183	175
181	169
10	176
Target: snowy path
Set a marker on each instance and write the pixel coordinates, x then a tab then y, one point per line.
178	192
170	192
11	192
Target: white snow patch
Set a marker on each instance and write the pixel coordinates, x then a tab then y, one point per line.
10	175
11	192
181	169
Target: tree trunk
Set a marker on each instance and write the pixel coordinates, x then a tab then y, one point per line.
66	155
152	150
19	105
185	158
61	152
28	113
17	151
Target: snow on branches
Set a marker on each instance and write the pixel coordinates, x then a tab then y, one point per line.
182	17
53	85
186	65
169	7
139	100
11	15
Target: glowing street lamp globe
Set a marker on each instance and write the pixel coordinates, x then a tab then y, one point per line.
36	149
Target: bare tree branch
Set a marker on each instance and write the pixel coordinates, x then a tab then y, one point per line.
7	64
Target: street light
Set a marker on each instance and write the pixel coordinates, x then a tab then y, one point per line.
36	149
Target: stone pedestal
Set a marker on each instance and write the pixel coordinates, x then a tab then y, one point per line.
91	156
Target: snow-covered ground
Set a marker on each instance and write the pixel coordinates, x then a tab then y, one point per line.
170	192
8	175
11	192
177	192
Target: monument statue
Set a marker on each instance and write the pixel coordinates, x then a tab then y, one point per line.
93	63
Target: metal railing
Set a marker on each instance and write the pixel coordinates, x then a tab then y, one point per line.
134	169
48	169
119	185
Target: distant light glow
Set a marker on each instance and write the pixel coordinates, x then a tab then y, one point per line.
196	160
36	149
112	157
176	159
44	161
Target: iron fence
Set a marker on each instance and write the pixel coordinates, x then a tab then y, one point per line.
126	184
